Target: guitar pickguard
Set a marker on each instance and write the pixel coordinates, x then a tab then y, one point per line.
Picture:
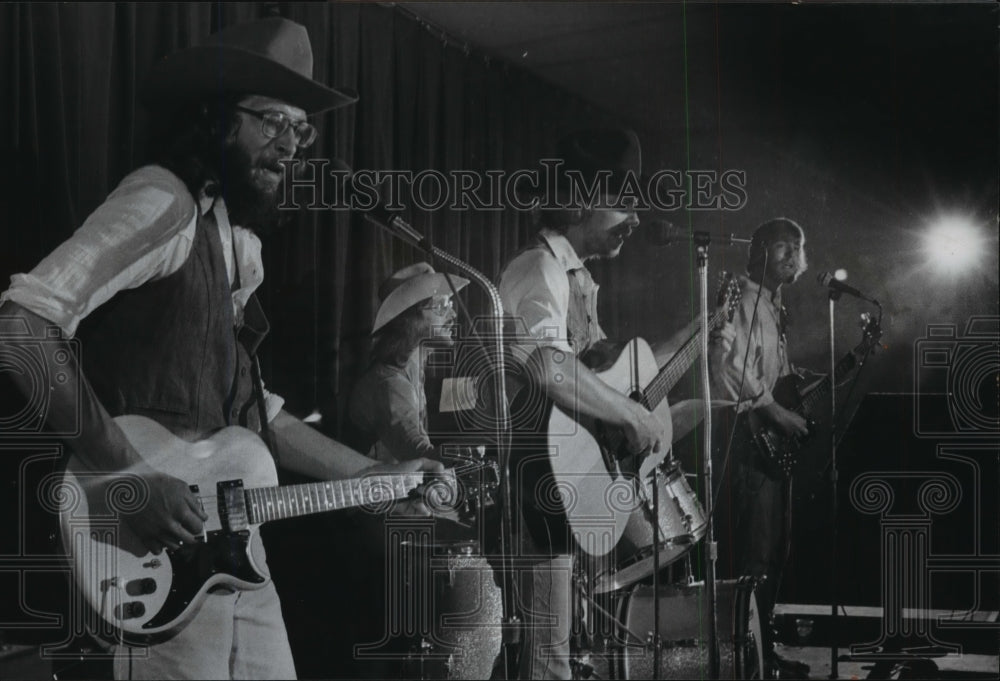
193	566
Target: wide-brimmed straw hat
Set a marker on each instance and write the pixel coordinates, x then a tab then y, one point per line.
270	57
409	286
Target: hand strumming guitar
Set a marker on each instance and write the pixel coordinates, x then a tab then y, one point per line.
171	514
788	422
645	432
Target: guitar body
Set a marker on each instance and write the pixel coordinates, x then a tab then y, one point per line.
132	595
583	486
777	452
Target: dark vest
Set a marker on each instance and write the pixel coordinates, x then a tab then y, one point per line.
169	350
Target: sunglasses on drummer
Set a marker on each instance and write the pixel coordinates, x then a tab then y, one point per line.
275	124
440	307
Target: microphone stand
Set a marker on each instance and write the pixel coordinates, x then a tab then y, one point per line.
701	242
401	230
834	297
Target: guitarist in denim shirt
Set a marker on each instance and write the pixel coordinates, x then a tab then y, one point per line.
753	532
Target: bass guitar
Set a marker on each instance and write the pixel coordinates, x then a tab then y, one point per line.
778	452
584	484
137	597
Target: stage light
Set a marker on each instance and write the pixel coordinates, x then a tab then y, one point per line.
953	245
840	275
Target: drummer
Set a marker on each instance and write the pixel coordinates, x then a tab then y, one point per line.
416	315
388	405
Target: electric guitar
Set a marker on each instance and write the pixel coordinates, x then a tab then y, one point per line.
584	483
134	596
779	453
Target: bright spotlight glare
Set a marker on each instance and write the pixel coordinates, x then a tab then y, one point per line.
952	245
840	275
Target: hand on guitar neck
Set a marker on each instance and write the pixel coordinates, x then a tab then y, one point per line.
788	422
427	501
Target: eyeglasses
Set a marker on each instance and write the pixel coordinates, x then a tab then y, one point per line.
275	124
441	307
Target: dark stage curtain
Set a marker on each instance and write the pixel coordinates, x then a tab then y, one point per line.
72	128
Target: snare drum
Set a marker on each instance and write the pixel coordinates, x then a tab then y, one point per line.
464	635
682	524
684	621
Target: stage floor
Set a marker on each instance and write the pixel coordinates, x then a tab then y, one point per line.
966	666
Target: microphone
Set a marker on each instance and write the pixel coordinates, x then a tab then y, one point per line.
665	233
831	282
396	225
382	216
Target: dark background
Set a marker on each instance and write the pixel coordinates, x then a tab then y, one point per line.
865	123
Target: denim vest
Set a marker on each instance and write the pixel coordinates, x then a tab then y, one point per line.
169	350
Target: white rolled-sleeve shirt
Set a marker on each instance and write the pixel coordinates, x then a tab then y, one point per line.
144	231
534	290
763	345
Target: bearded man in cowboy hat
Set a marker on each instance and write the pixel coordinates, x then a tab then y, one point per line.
159	281
550	294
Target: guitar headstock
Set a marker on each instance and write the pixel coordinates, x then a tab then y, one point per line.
871	332
470	477
729	294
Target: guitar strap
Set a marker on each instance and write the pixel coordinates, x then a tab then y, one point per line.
250	332
265	426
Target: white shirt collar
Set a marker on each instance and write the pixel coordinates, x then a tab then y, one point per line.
750	288
562	249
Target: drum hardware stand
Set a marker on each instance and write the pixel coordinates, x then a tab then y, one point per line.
401	230
420	651
582	642
621	625
657	642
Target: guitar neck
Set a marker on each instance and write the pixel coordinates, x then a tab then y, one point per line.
678	365
844	367
289	501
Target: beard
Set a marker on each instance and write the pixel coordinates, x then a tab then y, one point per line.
250	204
609	244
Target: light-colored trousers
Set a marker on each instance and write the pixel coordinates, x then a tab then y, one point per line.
235	635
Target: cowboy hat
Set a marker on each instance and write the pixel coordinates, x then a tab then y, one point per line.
270	57
589	152
409	286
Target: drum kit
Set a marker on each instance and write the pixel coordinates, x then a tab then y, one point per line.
615	602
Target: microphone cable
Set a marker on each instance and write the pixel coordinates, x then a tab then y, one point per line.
739	395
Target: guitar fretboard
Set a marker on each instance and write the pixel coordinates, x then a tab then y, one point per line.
678	365
275	503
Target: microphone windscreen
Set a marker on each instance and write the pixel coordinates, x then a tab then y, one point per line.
661	232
